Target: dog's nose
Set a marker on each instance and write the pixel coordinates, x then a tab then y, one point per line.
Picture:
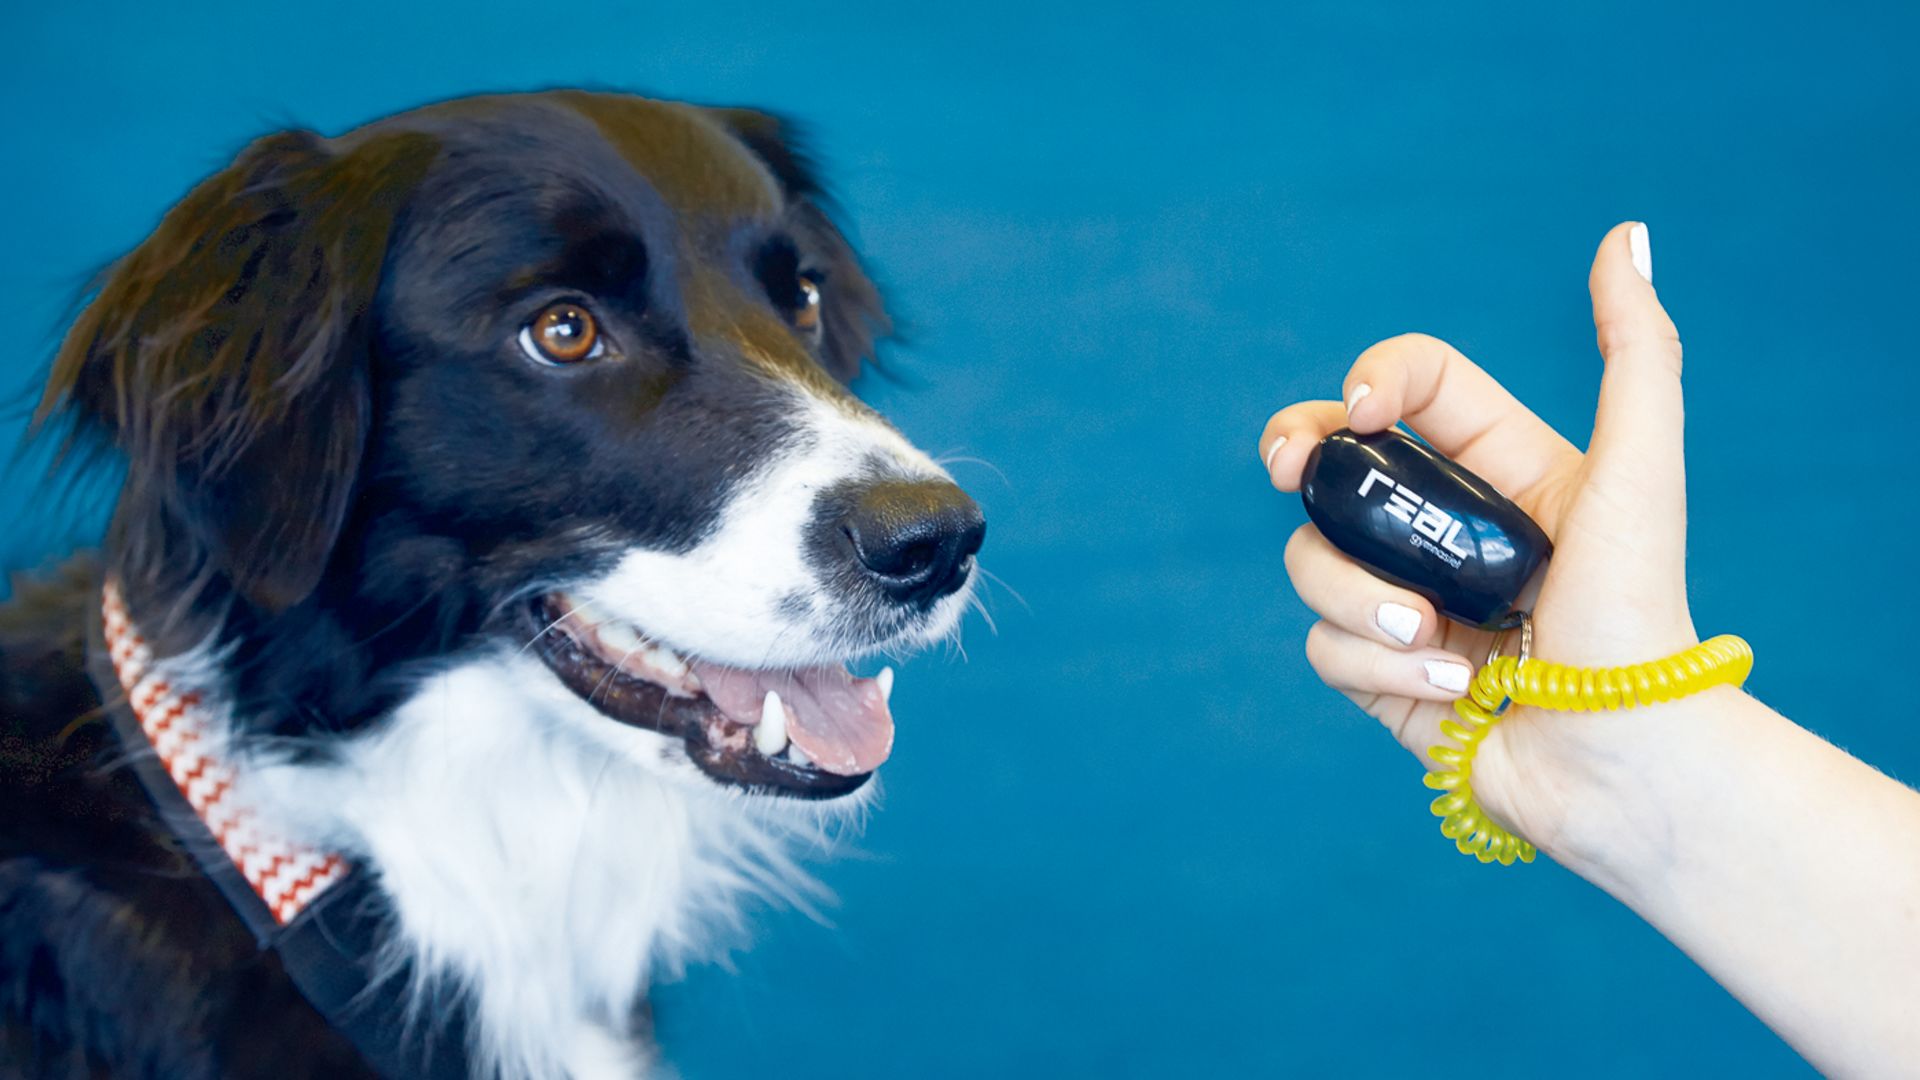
915	539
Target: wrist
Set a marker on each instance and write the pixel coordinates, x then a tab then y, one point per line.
1599	793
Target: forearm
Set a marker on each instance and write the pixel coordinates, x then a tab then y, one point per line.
1786	868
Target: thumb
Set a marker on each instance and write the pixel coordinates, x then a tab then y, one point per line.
1635	467
1638	451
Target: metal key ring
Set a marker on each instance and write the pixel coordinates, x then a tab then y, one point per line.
1525	626
1527	648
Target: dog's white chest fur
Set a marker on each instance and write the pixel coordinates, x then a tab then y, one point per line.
529	860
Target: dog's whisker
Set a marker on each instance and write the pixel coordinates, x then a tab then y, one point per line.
1002	583
550	627
522	650
979	605
945	460
613	668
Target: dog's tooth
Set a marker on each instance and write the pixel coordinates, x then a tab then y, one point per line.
668	661
770	735
884	681
618	636
583	611
797	755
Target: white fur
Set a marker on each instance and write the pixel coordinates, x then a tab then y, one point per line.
546	858
724	599
553	862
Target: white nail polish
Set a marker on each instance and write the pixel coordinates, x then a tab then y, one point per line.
1274	451
1399	621
1640	246
1447	675
1359	393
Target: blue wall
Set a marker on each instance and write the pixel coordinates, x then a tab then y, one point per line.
1129	834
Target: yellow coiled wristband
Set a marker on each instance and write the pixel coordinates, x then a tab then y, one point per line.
1722	661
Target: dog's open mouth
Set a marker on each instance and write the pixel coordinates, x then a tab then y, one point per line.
812	733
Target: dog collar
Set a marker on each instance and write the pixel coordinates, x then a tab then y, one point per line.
322	917
284	873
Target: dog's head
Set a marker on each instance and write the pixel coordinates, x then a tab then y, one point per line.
562	373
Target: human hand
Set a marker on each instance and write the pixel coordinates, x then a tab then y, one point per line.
1614	592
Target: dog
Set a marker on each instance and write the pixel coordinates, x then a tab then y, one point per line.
471	636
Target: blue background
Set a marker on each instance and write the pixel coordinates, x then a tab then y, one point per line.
1130	835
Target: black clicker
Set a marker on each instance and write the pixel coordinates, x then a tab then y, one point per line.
1422	522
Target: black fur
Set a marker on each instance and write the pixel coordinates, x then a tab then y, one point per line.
342	469
116	956
495	208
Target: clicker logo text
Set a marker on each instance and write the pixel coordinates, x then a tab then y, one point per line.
1434	529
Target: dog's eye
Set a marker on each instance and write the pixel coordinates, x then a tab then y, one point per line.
794	291
806	313
561	334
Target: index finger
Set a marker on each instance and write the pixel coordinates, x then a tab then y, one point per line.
1291	435
1457	407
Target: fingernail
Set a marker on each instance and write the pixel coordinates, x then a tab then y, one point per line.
1641	248
1274	452
1354	399
1398	620
1447	675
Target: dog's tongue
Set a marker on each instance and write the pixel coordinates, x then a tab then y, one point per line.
840	721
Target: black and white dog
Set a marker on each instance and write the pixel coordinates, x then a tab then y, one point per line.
472	631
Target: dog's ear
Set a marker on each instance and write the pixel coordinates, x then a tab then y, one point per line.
853	317
227	356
